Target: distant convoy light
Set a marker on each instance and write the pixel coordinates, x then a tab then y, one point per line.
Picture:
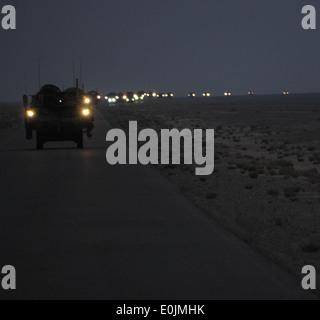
99	97
87	100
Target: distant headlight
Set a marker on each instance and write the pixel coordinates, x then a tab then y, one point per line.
124	97
87	100
86	112
99	97
30	114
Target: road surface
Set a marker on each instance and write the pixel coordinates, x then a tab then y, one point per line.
77	228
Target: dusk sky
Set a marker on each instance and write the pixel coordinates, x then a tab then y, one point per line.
168	45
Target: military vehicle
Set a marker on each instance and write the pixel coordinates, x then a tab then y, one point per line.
141	95
54	115
112	97
151	95
131	97
95	97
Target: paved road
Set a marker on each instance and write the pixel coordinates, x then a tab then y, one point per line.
77	228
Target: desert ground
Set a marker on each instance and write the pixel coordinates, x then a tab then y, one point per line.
266	184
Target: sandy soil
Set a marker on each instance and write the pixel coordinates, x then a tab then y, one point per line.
266	186
11	117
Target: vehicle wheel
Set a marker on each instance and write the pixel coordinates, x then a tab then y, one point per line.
39	141
29	134
80	141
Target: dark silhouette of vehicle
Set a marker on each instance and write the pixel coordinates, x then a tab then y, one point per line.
141	95
112	98
151	95
131	97
95	97
121	97
58	116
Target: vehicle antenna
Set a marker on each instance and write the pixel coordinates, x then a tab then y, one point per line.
39	72
74	74
80	73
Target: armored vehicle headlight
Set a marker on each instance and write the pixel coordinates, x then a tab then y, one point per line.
86	112
30	114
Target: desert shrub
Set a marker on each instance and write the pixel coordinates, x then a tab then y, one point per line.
311	248
211	196
261	170
313	175
289	172
254	175
243	166
282	163
273	172
273	192
291	192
